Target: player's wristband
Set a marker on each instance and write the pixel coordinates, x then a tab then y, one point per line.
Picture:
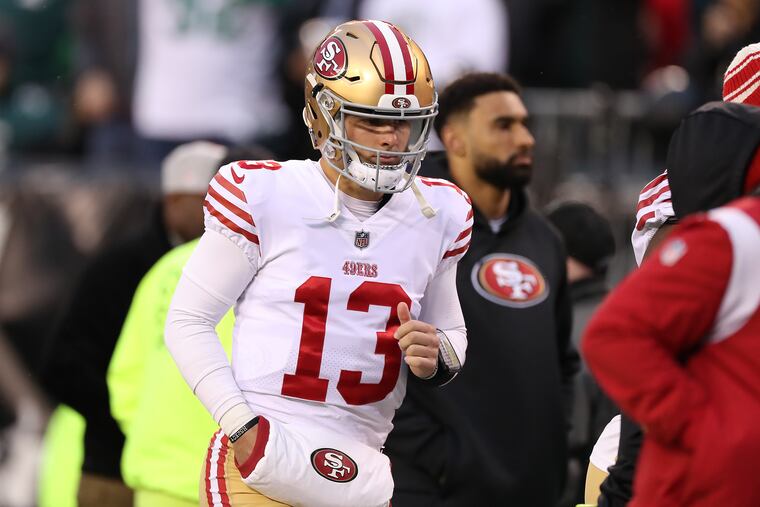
243	429
448	364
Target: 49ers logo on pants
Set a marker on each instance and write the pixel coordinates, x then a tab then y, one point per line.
334	465
509	280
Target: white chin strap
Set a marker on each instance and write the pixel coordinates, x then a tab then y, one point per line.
336	203
425	207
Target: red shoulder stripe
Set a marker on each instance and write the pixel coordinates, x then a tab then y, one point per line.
464	234
649	200
230	206
659	179
230	224
230	187
436	183
456	251
643	220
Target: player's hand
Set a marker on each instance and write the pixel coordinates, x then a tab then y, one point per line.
243	446
419	343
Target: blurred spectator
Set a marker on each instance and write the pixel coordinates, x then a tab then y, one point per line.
448	447
80	351
724	22
149	396
105	59
34	113
50	223
206	70
590	246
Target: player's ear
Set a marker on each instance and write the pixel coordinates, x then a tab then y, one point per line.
452	140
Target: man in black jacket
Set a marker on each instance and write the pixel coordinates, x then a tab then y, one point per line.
497	434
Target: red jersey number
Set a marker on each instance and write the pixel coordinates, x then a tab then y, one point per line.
306	383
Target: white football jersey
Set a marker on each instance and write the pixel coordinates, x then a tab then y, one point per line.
313	340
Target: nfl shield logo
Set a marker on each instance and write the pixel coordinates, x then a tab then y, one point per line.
361	240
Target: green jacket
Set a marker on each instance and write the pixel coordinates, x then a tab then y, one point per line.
167	429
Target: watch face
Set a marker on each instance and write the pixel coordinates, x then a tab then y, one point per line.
448	355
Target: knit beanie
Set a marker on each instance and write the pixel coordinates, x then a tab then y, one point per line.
741	82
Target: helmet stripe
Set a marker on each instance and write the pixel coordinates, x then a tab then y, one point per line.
385	53
397	58
396	55
406	52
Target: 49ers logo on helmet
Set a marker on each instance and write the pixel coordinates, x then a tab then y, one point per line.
509	280
331	59
401	103
334	465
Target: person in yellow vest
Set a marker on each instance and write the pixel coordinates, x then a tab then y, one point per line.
75	365
149	398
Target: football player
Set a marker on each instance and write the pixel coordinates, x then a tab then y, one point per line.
341	272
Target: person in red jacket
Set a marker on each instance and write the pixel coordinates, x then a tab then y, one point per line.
676	344
655	218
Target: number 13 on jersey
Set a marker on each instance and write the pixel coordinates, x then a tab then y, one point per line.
315	296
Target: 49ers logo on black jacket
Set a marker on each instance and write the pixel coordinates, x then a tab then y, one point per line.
509	280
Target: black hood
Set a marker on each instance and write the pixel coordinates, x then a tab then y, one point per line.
709	155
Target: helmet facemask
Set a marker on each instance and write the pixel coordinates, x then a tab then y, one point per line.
341	152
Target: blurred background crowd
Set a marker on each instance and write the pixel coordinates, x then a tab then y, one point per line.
94	94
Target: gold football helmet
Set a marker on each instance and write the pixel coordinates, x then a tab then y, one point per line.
369	69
